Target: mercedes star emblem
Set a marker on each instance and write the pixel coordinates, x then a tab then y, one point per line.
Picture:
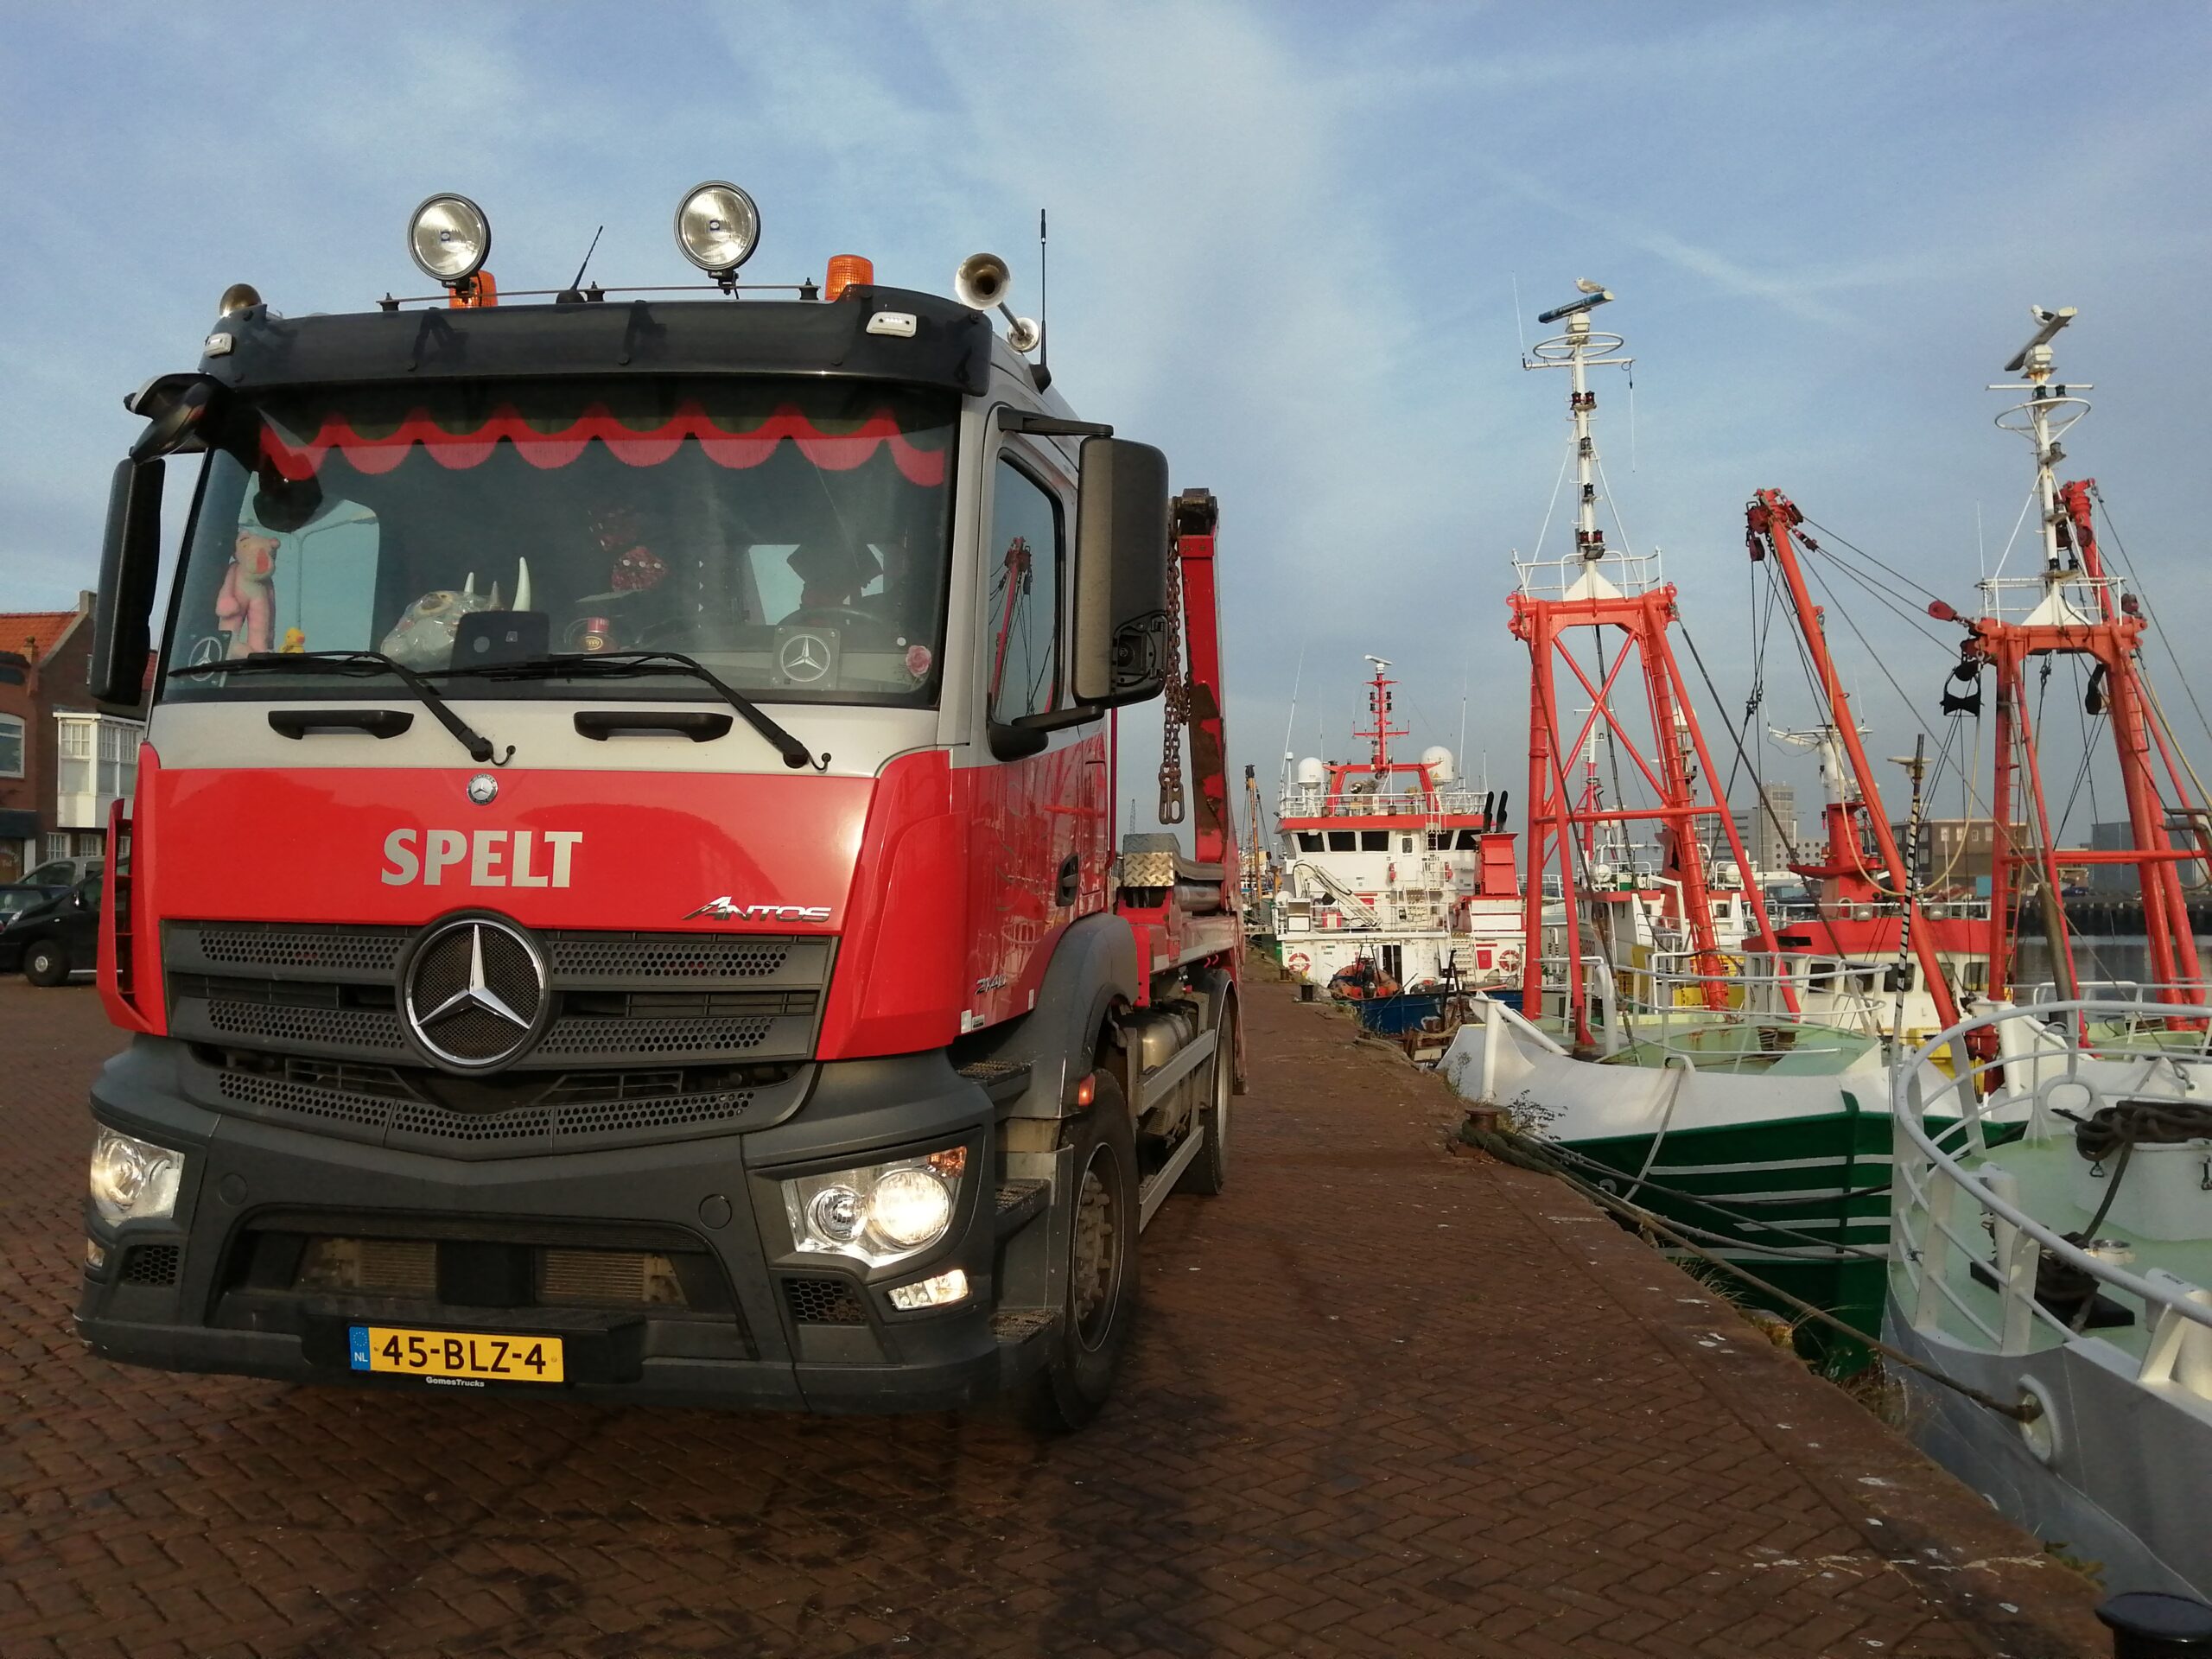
804	658
473	993
483	788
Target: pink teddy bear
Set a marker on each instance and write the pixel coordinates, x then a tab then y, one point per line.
245	606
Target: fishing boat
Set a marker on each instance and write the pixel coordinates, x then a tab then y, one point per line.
1396	879
2062	1266
1646	1053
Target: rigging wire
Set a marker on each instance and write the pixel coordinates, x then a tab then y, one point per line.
1537	547
2026	502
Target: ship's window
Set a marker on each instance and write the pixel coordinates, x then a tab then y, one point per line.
1375	840
1439	840
1342	840
1309	841
1405	843
1469	839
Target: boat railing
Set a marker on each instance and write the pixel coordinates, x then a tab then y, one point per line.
1569	578
1659	1005
2017	598
1314	801
1943	1212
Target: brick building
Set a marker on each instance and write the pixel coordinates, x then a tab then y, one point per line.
63	758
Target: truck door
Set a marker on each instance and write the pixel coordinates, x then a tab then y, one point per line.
1039	847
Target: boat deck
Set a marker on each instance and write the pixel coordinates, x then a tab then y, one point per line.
2048	1171
1383	1400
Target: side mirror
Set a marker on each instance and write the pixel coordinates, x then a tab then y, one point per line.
1117	645
175	406
130	560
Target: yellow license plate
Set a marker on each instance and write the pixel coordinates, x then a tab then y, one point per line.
454	1356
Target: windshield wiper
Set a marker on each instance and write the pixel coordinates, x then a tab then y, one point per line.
361	665
628	665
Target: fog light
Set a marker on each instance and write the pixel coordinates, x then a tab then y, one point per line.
95	1255
939	1292
133	1178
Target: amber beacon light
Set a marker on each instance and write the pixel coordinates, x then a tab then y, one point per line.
846	271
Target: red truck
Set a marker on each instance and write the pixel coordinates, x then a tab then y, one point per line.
622	892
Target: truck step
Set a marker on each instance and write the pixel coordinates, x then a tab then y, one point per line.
1012	1326
1021	1203
1000	1079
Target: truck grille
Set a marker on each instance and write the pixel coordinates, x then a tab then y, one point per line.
393	1105
618	998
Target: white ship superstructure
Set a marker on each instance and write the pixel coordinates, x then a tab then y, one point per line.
1398	865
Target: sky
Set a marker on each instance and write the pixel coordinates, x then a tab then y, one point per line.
1287	242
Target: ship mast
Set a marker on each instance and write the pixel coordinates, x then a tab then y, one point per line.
1601	589
2072	609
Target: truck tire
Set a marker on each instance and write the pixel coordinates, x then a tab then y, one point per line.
1208	1172
1102	1277
45	962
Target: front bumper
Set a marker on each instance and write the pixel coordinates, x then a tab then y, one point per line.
213	1287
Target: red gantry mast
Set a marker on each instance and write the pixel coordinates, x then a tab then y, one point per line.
1602	590
2072	607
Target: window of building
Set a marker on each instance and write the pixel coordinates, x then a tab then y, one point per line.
12	746
1025	552
57	844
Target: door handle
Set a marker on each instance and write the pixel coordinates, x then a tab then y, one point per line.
1071	879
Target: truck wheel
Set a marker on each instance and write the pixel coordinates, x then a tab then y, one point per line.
46	963
1102	1271
1208	1172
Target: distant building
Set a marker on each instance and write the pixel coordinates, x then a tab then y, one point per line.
1769	846
63	758
2125	880
1954	853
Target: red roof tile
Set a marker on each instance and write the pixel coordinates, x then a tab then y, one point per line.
34	632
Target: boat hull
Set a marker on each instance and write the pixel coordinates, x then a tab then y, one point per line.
2125	1463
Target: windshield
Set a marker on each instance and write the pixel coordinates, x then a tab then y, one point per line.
789	535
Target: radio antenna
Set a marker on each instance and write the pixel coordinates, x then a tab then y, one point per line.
1042	371
575	291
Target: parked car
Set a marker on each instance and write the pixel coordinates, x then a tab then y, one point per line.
21	895
58	873
56	937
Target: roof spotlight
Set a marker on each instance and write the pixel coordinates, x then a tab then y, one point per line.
449	237
717	227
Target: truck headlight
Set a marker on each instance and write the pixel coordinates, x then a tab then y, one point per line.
133	1179
879	1213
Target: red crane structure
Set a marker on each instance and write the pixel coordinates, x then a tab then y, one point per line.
1602	590
2073	608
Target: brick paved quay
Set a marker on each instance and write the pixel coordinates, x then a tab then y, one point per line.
1385	1401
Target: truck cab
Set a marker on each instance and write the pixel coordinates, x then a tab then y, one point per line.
623	892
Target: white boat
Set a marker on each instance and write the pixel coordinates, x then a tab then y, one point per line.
2064	1269
1395	876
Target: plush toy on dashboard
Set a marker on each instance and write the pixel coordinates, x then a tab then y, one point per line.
423	636
245	604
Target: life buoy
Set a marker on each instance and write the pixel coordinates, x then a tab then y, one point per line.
1297	962
1509	959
